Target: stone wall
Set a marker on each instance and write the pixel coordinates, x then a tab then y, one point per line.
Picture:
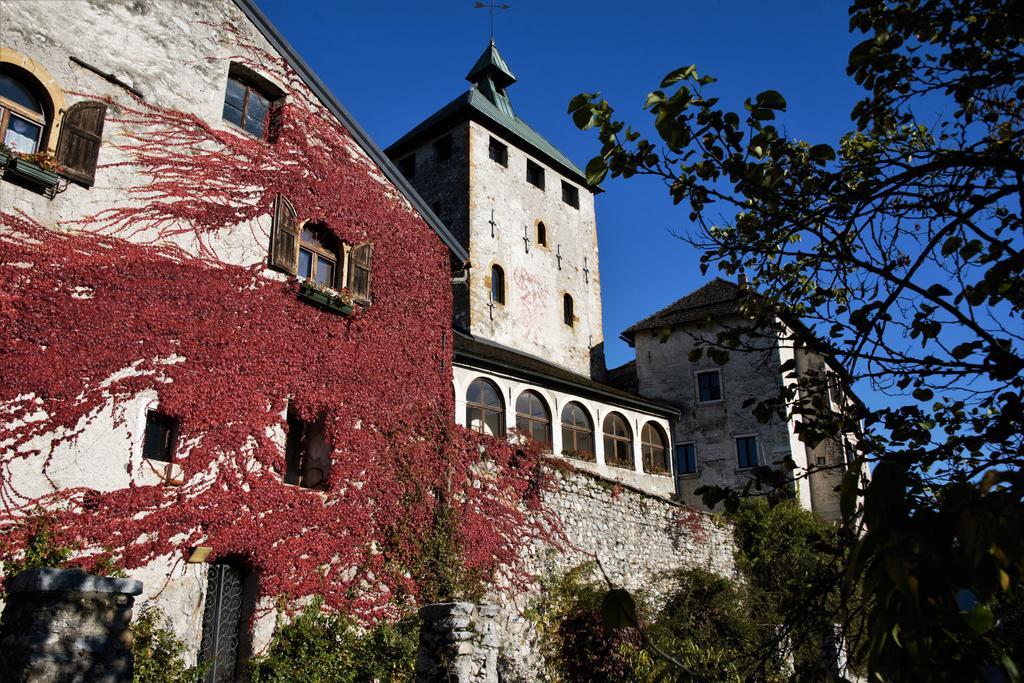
458	644
638	538
67	626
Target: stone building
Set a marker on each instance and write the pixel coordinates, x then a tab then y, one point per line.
218	295
717	438
528	335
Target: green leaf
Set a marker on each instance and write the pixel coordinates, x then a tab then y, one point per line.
680	74
654	98
771	99
979	619
596	170
938	290
923	394
822	153
618	609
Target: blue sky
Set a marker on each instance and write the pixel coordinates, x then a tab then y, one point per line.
393	64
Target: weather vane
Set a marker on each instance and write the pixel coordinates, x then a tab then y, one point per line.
491	8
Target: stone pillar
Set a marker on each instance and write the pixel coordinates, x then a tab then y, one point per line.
458	644
67	626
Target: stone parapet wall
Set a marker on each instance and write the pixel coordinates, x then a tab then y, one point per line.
458	644
637	538
67	626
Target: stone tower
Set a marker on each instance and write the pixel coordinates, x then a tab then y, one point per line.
525	215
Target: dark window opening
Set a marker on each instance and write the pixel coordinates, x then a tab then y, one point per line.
485	412
408	166
686	459
568	316
542	234
498	152
709	386
533	419
248	106
443	148
307	454
534	174
577	432
654	449
618	441
746	451
497	285
570	195
160	438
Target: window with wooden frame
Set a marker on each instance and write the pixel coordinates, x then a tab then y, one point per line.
81	132
319	256
534	174
359	272
746	452
250	102
497	284
498	152
307	453
654	449
570	195
568	312
160	437
686	459
618	441
25	111
577	432
485	411
533	419
709	386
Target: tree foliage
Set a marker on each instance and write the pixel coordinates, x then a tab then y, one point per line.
902	245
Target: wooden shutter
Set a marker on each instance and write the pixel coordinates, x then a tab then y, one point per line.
81	133
284	238
359	272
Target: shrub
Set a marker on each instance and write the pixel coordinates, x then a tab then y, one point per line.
158	652
319	645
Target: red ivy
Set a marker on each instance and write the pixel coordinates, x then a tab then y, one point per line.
226	347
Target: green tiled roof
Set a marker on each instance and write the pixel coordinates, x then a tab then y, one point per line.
488	103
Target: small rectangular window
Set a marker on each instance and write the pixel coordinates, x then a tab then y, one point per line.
570	195
709	386
686	459
498	152
443	148
746	452
307	454
160	437
408	166
247	107
534	174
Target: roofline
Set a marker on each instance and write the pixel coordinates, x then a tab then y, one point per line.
313	82
407	142
637	403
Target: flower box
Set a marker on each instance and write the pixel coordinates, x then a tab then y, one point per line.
4	158
33	173
325	299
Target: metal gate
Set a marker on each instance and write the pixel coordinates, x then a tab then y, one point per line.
221	622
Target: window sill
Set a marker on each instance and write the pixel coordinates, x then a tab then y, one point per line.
324	298
711	403
659	473
688	475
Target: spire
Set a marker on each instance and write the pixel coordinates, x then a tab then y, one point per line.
491	75
491	65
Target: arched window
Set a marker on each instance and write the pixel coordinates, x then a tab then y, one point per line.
654	448
485	412
568	315
618	441
533	418
577	432
24	111
497	284
318	255
249	101
542	234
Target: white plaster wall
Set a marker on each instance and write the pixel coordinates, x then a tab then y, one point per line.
531	319
511	387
